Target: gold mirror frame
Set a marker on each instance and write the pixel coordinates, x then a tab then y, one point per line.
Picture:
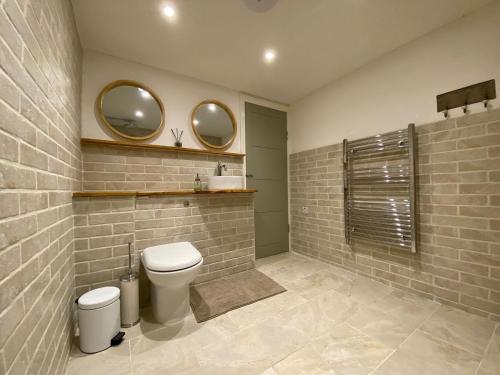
124	82
231	116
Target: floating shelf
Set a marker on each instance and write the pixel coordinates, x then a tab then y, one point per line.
121	144
83	194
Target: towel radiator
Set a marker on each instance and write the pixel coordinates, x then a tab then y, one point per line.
379	189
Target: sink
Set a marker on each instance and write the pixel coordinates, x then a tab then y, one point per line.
225	182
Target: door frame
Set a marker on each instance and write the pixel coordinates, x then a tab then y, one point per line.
245	98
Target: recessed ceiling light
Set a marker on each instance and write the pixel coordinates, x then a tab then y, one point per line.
169	11
260	6
196	122
212	107
139	114
269	55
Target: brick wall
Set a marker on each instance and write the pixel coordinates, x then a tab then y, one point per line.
113	168
39	167
221	227
458	262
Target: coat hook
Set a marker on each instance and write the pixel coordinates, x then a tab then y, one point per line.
485	102
464	108
445	112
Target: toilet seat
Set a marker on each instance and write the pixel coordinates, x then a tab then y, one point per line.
171	257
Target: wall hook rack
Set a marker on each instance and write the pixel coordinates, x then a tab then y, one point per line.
480	92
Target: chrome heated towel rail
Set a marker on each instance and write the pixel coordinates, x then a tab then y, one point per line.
379	189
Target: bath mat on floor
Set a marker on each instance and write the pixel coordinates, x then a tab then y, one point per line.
228	293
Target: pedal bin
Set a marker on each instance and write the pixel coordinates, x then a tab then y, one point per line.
99	319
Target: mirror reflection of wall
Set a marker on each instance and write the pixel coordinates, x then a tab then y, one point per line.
214	124
131	110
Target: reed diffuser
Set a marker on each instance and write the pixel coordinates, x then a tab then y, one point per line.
177	135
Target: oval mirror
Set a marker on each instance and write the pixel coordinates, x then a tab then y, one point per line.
214	124
130	110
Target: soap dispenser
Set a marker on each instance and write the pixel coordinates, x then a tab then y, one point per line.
197	183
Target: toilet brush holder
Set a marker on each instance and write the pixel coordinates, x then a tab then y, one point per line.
129	295
129	290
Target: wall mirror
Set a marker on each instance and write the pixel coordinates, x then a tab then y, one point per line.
131	110
214	124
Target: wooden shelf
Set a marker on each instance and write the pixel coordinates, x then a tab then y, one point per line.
94	194
122	144
78	194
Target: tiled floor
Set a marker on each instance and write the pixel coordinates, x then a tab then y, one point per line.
329	321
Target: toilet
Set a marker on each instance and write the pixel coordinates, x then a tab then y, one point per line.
171	268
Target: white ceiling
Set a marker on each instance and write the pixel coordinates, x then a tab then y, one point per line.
222	41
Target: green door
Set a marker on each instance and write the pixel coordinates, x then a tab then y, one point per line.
265	134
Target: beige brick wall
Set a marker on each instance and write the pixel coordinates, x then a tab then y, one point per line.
221	227
40	165
113	168
458	262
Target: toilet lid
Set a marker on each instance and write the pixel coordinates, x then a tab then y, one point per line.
171	257
99	297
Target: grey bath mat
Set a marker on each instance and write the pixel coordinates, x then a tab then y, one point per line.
228	293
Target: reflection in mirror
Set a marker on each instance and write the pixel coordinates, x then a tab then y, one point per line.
214	124
131	110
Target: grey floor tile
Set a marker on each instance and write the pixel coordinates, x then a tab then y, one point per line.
345	351
381	326
490	365
422	354
460	328
113	361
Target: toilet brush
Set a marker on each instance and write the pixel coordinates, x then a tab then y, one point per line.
129	286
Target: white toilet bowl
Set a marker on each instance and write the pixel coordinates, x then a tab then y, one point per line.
170	268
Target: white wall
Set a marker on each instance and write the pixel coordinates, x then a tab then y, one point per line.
179	95
401	87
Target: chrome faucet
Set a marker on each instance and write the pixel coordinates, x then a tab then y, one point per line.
220	167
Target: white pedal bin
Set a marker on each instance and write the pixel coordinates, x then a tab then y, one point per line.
98	318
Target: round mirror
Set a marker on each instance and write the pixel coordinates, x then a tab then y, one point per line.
214	124
130	110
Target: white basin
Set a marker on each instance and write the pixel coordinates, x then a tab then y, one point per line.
225	182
